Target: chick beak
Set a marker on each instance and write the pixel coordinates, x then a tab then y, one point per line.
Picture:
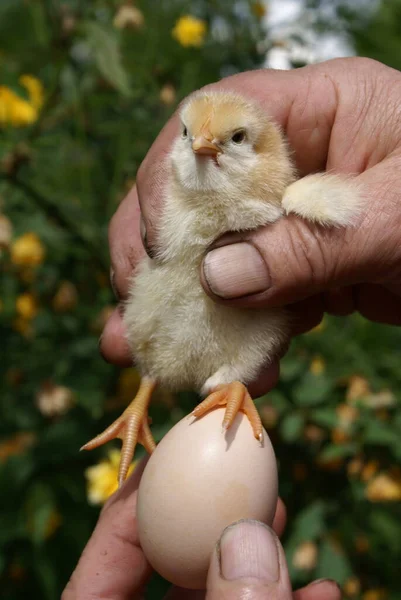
201	145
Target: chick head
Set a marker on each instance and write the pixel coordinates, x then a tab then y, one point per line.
223	138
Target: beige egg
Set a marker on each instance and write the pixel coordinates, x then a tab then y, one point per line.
198	481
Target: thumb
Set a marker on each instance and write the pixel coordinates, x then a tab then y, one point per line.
279	264
295	258
249	562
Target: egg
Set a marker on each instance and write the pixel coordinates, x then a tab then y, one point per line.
197	481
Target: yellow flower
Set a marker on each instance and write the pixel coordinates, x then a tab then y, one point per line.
259	9
339	435
352	587
17	111
102	478
305	556
383	488
167	94
190	31
362	544
346	415
128	16
27	250
317	366
369	469
50	526
23	326
35	90
53	523
313	433
354	467
375	594
358	387
26	306
16	445
66	297
6	231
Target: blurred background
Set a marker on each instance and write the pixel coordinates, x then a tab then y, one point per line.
84	89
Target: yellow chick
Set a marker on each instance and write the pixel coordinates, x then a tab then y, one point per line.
230	171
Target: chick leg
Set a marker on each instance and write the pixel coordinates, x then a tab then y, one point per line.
235	397
131	427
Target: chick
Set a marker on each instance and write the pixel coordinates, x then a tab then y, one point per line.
230	170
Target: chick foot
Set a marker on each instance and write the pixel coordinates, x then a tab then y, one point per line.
236	397
131	427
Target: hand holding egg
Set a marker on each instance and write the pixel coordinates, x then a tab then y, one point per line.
247	562
197	482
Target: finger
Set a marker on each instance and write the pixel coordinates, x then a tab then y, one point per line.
266	380
293	259
113	564
113	345
279	523
249	562
326	589
378	304
306	314
151	180
126	248
280	518
340	301
176	593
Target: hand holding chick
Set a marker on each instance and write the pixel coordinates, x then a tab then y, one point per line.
230	171
114	565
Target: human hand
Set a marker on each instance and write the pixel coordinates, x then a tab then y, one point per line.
247	562
341	115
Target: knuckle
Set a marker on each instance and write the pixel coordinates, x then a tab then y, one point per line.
141	176
307	254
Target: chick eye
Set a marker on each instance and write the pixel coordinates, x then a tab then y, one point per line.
238	137
185	132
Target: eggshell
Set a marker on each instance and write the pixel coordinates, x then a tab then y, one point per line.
198	481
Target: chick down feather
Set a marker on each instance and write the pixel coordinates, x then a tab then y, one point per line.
178	335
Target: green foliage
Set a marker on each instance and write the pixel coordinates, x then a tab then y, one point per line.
108	90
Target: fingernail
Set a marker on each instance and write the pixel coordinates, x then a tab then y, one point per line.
113	284
249	549
325	580
235	270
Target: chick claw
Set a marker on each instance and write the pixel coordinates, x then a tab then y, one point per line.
236	397
131	427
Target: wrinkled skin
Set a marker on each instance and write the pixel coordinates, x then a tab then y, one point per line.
113	566
342	115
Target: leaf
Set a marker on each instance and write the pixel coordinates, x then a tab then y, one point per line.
333	563
325	417
276	399
312	390
291	427
380	434
40	508
333	451
106	52
388	528
291	368
310	523
46	571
